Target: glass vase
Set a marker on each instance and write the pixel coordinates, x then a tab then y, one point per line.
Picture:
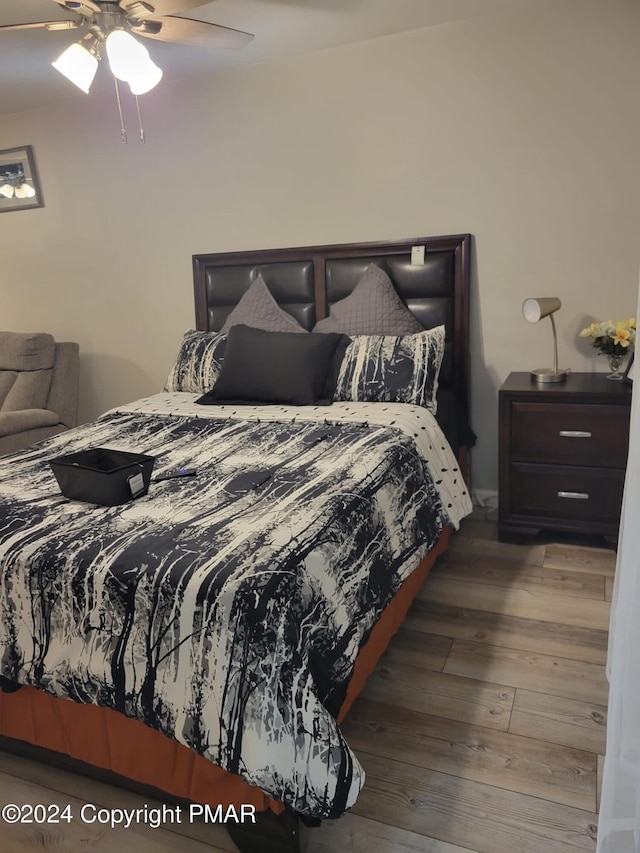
615	362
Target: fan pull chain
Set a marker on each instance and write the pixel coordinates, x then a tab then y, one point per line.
142	139
123	132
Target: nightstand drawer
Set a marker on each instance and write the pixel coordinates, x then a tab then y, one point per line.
564	492
570	433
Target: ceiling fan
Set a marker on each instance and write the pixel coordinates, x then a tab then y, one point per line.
112	24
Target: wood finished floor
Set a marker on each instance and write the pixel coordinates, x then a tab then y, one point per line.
481	731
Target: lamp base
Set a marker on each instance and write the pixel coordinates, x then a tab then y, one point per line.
547	374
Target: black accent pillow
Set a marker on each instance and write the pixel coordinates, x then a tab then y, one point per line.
278	367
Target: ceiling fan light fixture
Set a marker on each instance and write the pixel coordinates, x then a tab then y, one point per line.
78	65
146	78
6	191
115	24
130	62
125	54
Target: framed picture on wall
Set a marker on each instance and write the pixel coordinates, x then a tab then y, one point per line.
628	374
19	184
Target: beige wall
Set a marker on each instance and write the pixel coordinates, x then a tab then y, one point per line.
522	129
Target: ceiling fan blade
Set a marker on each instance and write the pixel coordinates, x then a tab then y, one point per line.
194	33
43	25
140	9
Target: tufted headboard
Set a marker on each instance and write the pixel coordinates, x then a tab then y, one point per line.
306	281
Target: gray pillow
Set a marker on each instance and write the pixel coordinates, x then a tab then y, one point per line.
329	324
372	308
257	308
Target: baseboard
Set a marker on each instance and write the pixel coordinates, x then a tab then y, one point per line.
486	498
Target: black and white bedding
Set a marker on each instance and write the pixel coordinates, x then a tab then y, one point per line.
226	610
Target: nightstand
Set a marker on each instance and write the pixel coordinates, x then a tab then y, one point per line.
563	452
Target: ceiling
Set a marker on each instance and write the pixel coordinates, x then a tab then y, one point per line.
281	27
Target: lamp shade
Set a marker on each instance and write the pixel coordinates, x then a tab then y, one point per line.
77	65
125	54
535	309
130	61
146	77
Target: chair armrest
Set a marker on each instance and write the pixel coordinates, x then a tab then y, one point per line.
12	423
63	394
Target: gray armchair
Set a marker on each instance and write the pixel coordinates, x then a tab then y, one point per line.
38	388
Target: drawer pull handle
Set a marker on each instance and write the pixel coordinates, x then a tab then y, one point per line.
574	433
574	496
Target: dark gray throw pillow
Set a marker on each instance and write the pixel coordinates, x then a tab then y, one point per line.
278	367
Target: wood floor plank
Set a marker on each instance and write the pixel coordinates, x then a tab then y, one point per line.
478	528
355	834
62	784
571	679
440	695
481	547
601	561
542	605
582	725
471	814
482	513
466	567
417	648
516	763
80	836
514	632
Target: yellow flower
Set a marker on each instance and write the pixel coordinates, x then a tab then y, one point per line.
609	336
590	331
622	337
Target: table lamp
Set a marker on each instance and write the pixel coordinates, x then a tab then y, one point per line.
534	310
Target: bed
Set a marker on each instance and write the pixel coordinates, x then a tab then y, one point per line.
263	590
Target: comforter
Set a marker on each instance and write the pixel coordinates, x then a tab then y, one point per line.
225	610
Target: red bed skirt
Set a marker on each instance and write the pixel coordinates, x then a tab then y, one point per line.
106	739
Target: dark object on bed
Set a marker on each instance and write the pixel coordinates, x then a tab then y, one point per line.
102	476
278	367
307	281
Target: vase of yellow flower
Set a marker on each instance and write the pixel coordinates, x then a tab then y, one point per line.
613	340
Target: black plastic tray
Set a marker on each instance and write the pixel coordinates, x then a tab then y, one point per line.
103	476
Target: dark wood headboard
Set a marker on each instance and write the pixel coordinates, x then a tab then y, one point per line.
306	281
